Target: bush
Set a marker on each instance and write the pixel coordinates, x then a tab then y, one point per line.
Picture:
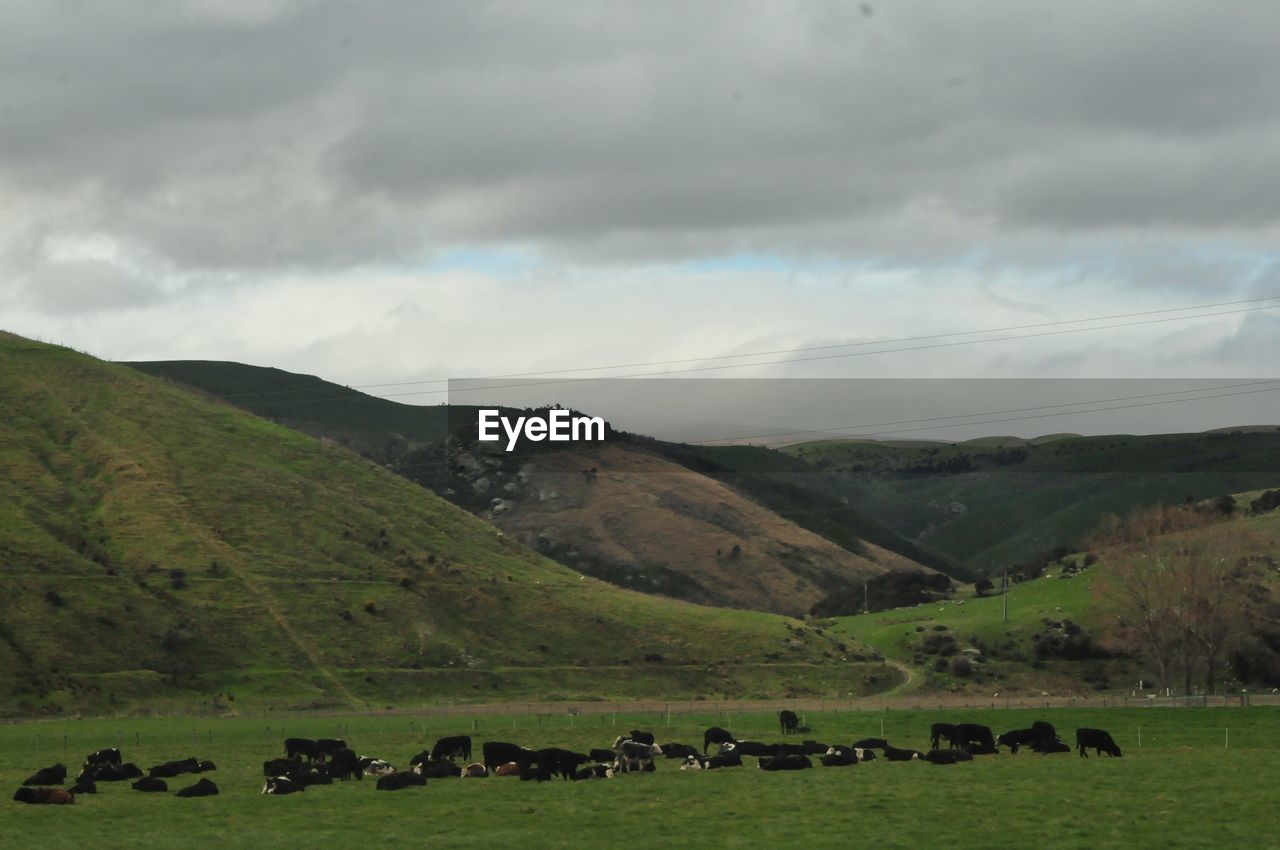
938	644
961	667
54	598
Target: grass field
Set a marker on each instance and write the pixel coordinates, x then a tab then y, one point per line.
1201	777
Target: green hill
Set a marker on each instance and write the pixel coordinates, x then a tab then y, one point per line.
993	505
157	548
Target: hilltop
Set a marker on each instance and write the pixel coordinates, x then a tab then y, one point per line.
162	549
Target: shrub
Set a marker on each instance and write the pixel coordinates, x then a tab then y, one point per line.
54	598
961	667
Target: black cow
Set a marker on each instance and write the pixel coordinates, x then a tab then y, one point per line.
814	748
151	785
279	767
1044	729
299	747
52	775
839	759
792	750
947	756
458	746
641	737
716	735
170	769
895	754
749	748
872	744
678	751
311	774
202	788
717	762
976	737
1016	738
326	747
345	764
442	769
785	763
1057	745
595	771
109	772
400	779
498	753
44	796
205	767
553	761
85	787
788	720
111	755
939	731
1099	739
282	785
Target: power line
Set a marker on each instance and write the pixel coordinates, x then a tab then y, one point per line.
821	347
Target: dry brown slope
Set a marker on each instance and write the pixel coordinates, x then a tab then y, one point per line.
643	521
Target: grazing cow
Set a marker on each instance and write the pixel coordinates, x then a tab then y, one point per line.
939	731
498	752
151	785
895	754
633	755
595	771
947	756
299	747
475	770
44	796
788	720
716	735
443	769
326	747
457	746
1099	739
872	744
370	766
975	736
279	767
785	763
202	788
400	779
1016	738
53	775
111	755
678	751
641	737
84	787
345	764
282	785
844	759
601	755
511	768
553	761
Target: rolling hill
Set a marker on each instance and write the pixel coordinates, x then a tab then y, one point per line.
160	549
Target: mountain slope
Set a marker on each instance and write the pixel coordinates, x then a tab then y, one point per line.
157	546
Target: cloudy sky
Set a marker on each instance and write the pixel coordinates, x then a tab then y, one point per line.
388	192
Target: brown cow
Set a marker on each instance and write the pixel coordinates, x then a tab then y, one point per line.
475	770
44	796
508	769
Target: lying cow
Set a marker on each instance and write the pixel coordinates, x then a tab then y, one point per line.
370	766
282	785
475	770
678	751
151	785
400	779
711	763
443	769
895	754
785	763
53	775
279	767
595	771
86	786
109	772
44	796
111	755
1099	739
499	752
947	756
170	769
839	759
871	744
202	788
510	768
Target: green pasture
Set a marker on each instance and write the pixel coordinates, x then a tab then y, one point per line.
1201	777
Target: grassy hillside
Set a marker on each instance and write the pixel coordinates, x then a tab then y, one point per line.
157	547
635	518
992	503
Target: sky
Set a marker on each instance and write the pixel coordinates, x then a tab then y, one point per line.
390	192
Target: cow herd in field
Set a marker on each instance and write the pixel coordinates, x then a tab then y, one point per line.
309	762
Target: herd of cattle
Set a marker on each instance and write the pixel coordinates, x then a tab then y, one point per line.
310	762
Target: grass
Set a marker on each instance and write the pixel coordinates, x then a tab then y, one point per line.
1181	788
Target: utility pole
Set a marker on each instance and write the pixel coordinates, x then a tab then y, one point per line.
1006	594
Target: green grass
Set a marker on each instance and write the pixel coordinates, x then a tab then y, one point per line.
159	550
1181	788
